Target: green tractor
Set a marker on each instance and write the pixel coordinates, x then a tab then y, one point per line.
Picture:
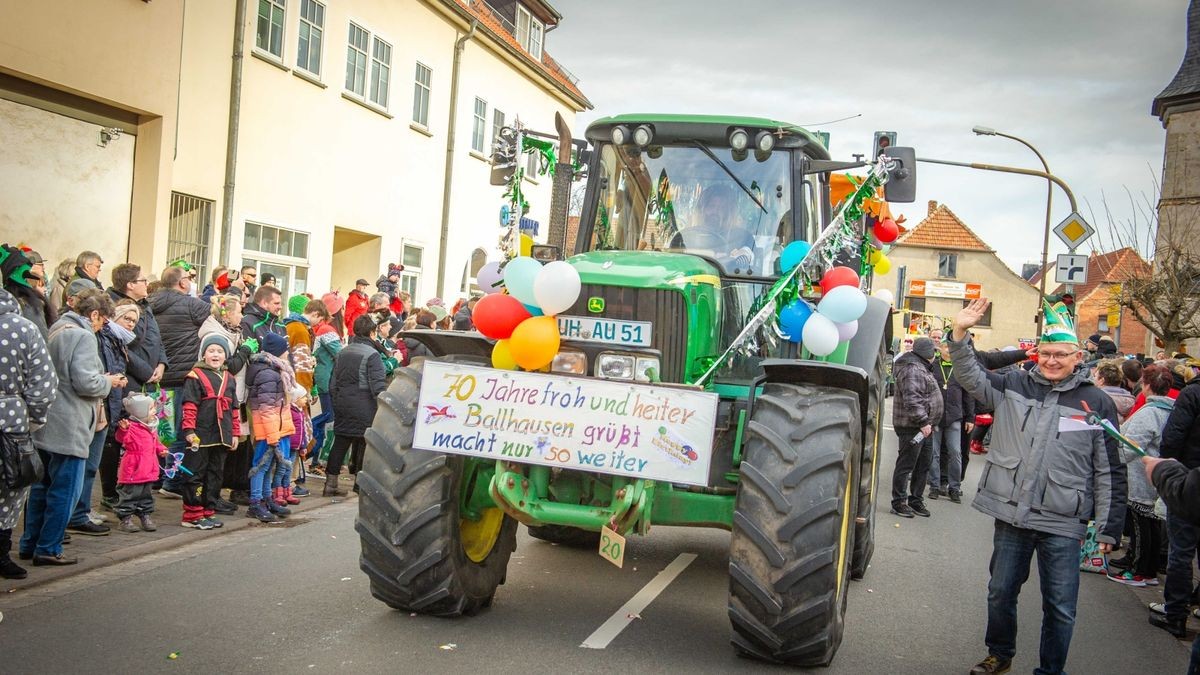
684	221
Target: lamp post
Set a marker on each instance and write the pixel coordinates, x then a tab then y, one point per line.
988	131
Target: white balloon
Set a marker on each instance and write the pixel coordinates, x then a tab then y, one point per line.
820	335
884	295
490	278
556	287
843	304
847	331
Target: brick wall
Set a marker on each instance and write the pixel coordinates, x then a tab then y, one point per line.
1090	309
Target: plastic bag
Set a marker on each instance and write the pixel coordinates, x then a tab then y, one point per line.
166	413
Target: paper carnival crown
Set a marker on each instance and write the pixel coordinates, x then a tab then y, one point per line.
1058	325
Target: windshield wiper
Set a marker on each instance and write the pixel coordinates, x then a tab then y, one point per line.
705	150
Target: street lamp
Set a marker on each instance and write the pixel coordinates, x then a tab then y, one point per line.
988	131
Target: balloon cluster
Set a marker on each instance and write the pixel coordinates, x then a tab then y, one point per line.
885	232
519	310
835	319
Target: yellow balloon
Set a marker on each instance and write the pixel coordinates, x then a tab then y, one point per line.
875	256
526	245
883	265
501	356
534	343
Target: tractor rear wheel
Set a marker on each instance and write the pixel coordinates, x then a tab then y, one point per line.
790	550
868	477
419	553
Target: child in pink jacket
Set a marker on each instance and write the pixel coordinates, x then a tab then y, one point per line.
138	436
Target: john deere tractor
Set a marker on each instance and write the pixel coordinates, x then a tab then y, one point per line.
682	231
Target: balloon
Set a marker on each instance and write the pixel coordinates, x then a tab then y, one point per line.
846	330
489	278
497	315
534	310
875	241
519	275
843	304
534	343
838	276
526	245
883	265
502	357
556	287
874	255
884	295
793	317
792	254
820	335
886	230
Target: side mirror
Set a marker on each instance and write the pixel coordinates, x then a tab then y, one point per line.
545	253
902	179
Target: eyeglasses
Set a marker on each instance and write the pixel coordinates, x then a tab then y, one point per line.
140	281
1055	356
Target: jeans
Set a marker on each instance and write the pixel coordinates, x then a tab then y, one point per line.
1177	589
84	505
281	476
947	445
319	423
1058	571
261	467
912	467
51	501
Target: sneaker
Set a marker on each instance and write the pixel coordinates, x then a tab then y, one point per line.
1159	608
169	494
259	510
1152	581
126	525
90	529
11	570
147	524
97	518
1177	628
197	524
919	509
902	510
216	524
300	491
956	496
992	664
933	493
223	507
53	560
1128	578
240	497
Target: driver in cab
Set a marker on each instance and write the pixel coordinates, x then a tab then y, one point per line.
717	228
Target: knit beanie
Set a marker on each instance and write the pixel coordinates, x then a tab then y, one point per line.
216	339
298	393
126	308
923	347
274	344
296	304
140	407
333	302
80	285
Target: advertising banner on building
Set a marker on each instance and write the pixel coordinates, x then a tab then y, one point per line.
934	288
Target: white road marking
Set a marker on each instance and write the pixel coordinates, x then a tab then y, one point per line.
633	609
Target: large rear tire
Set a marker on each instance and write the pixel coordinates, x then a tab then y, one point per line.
419	554
789	557
868	476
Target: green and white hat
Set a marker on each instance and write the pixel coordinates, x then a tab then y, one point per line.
1058	326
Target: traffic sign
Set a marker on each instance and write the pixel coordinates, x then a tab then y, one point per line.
1074	230
1071	269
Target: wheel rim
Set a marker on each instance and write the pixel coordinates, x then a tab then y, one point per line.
479	536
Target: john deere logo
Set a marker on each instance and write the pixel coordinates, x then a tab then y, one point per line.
595	305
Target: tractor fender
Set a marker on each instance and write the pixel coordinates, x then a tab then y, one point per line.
444	342
874	328
820	373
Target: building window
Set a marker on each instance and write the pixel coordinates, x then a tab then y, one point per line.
1102	325
189	230
277	251
269	34
948	265
497	125
356	60
312	28
421	89
914	304
529	32
410	278
478	124
987	316
381	71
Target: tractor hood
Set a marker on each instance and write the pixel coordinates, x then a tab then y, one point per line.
644	269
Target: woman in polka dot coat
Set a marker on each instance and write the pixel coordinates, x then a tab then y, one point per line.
27	386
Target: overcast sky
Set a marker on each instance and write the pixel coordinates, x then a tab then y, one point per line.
1075	78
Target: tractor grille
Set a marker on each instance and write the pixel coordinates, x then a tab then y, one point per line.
666	310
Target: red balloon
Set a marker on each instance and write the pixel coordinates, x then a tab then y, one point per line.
838	276
887	230
496	315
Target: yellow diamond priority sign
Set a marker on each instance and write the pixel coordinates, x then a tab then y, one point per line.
1074	230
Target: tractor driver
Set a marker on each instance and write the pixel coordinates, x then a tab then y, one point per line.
717	228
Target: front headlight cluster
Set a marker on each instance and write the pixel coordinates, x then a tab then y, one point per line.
612	366
571	362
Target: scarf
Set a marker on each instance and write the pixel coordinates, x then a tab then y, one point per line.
121	332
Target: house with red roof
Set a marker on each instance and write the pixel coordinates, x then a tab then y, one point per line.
1095	308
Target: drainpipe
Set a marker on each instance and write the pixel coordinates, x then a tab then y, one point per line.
231	136
459	45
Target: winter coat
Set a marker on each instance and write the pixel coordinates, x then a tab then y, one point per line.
208	292
385	285
268	381
28	381
257	322
71	421
209	403
358	379
918	398
146	351
179	319
462	319
357	304
236	363
1145	428
958	406
1046	469
1140	399
114	356
33	306
79	274
303	430
416	347
1122	400
300	345
326	345
1178	487
1181	435
139	462
1000	359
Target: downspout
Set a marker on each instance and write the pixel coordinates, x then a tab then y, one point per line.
459	45
231	136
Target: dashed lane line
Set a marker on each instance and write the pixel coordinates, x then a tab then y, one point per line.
632	609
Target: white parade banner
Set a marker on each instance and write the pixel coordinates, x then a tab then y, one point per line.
620	428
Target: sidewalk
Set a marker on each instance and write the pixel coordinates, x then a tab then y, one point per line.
95	552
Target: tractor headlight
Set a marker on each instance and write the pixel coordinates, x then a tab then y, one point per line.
620	134
643	135
739	140
615	366
571	362
764	142
646	369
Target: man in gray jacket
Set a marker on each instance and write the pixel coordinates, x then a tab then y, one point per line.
1048	473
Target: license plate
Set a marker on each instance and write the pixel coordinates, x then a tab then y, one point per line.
611	331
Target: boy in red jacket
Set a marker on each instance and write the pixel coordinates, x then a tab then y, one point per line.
211	428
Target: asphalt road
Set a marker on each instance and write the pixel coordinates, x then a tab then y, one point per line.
292	600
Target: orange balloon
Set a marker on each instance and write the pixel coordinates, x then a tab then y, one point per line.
534	343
